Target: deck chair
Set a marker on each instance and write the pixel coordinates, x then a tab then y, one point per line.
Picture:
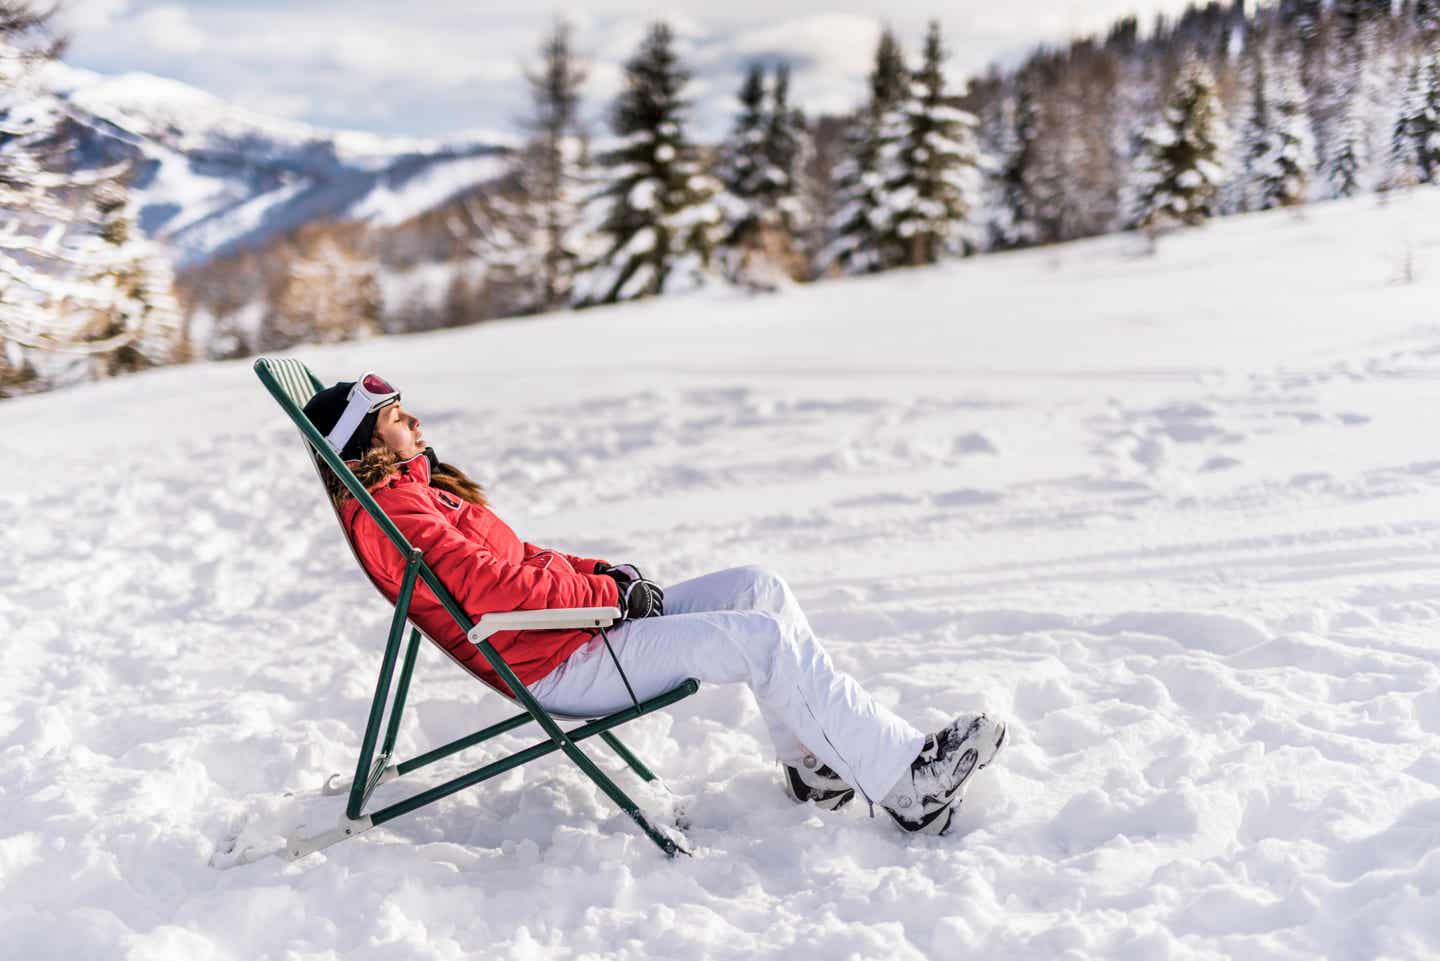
292	385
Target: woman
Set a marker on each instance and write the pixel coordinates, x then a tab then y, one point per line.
739	625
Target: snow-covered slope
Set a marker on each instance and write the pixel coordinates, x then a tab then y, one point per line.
212	177
1176	517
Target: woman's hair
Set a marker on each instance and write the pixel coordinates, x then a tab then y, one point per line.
379	462
450	478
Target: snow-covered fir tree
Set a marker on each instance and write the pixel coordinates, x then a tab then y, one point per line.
1184	153
553	174
1278	148
1415	144
1347	130
788	150
744	171
82	293
138	313
1254	138
931	164
743	166
860	235
656	220
1347	155
1135	102
1010	139
1403	167
761	167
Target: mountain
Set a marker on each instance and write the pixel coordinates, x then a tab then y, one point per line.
213	178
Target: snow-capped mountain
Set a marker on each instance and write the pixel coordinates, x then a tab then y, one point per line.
212	177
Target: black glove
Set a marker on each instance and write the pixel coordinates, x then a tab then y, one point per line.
623	573
640	598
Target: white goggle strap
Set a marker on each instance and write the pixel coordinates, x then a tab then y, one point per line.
355	411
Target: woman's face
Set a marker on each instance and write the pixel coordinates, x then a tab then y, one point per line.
399	430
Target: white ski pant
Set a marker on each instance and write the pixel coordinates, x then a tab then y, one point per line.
744	625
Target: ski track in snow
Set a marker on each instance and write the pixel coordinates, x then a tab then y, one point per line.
1206	599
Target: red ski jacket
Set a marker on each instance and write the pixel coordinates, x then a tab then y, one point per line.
488	569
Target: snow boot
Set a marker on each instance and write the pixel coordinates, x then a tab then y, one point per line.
816	783
925	798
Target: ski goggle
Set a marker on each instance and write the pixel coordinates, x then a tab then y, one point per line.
370	393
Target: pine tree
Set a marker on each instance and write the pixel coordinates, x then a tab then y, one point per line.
859	228
788	151
1347	134
762	168
743	164
1348	154
1403	170
1183	158
931	165
1277	147
553	175
1415	146
82	293
656	220
1011	142
744	172
140	316
1287	159
1135	96
1255	140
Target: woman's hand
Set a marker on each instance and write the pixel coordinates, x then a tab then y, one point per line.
641	598
638	597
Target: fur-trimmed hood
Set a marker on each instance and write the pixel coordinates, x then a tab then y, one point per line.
380	466
380	462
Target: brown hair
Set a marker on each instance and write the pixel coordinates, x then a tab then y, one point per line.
379	462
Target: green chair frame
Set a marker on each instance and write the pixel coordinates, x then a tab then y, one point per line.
292	384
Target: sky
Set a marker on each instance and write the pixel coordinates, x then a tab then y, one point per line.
444	67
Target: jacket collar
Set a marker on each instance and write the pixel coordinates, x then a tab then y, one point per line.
416	469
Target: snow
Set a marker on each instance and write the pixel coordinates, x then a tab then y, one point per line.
642	194
393	200
1176	517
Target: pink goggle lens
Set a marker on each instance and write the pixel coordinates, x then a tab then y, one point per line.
374	384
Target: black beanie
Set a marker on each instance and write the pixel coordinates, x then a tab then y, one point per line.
324	410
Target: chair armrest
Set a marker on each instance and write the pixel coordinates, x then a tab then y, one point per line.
558	618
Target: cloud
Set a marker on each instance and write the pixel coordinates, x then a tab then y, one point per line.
414	56
819	38
286	106
170	29
85	15
440	65
829	53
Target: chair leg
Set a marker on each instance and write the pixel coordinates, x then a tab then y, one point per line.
620	798
636	765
